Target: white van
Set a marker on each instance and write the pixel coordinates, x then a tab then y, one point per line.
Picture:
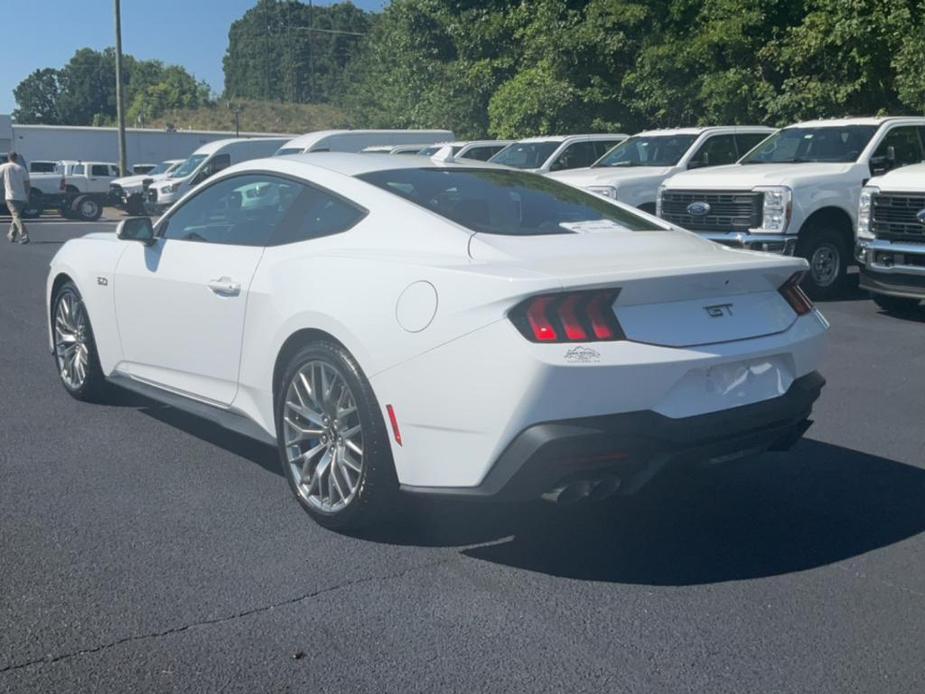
205	161
358	140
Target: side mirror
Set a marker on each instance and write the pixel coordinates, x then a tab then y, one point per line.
880	165
136	229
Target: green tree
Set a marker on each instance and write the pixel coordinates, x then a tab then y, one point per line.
839	60
37	98
288	51
83	92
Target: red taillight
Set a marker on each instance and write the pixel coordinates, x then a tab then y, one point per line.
795	296
574	330
393	420
584	316
539	322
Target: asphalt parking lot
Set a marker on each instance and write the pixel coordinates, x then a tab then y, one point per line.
143	549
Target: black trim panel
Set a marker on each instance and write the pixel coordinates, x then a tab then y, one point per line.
224	418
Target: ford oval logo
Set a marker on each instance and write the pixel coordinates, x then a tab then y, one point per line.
921	216
698	209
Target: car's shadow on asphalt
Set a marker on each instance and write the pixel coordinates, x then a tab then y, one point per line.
782	513
263	455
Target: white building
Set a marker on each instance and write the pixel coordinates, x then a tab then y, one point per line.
143	145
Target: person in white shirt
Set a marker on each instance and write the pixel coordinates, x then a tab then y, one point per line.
15	181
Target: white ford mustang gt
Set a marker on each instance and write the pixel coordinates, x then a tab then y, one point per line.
440	328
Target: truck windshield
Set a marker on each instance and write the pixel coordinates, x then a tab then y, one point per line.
526	155
655	150
843	143
163	167
508	203
189	166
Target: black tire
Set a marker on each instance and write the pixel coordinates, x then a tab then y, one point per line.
828	256
377	486
895	304
94	387
86	208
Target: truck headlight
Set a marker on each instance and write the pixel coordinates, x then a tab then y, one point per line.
172	188
606	191
864	209
776	209
658	200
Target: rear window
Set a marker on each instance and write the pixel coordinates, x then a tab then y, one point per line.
287	150
509	203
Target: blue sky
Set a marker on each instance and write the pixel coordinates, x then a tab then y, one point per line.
191	33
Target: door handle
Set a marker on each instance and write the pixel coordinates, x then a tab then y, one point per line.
224	286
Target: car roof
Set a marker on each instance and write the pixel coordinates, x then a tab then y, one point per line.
841	122
358	163
563	138
308	139
702	129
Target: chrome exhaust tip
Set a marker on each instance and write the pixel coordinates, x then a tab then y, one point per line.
583	490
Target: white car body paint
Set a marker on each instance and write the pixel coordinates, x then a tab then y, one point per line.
638	185
464	381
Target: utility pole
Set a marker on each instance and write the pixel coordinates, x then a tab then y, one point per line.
120	106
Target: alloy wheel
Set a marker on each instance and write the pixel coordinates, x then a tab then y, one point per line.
323	437
71	340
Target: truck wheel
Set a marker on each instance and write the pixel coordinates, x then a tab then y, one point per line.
895	304
86	208
828	258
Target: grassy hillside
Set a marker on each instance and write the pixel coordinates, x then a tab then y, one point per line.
255	116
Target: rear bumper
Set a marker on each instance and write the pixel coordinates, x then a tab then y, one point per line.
635	446
770	243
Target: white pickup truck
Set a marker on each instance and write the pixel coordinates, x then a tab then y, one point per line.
130	192
633	170
891	237
86	183
797	192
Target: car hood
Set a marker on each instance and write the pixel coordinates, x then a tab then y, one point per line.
129	180
908	178
613	175
746	176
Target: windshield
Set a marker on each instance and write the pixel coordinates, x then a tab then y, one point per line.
656	150
826	144
509	203
189	166
163	167
282	152
526	155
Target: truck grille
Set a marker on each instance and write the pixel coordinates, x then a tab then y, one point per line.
893	215
729	211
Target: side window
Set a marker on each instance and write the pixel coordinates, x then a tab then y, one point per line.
716	151
315	214
240	211
575	155
99	170
747	141
79	170
601	147
901	146
114	171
